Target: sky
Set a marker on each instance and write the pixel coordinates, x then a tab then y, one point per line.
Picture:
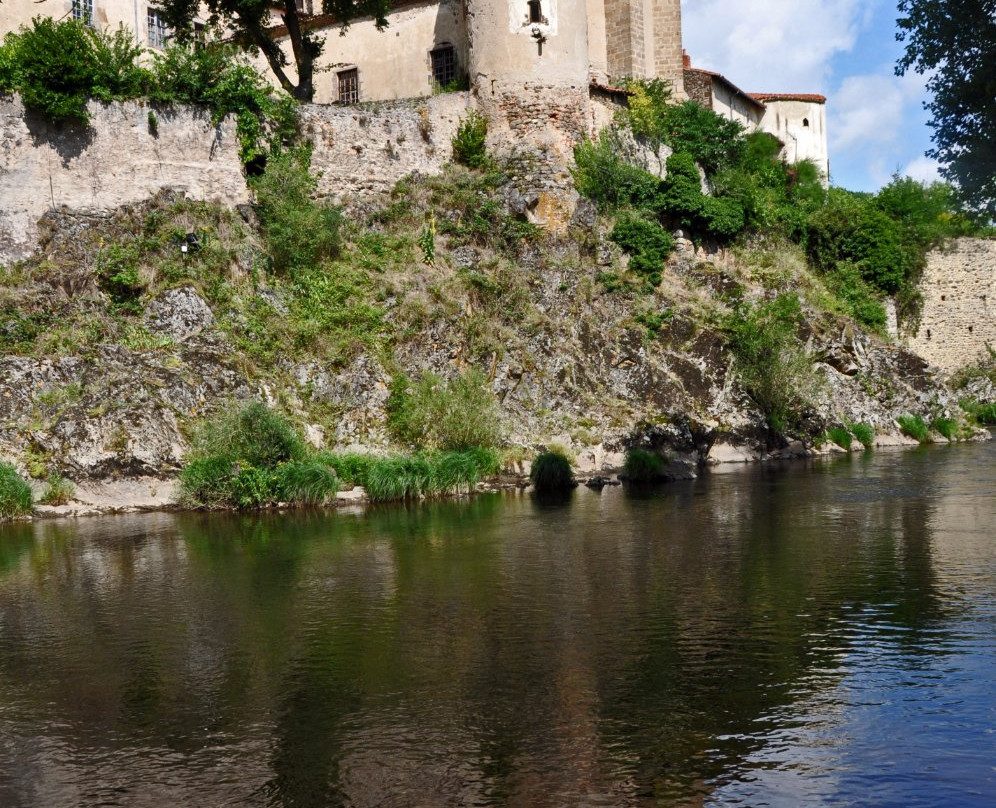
843	49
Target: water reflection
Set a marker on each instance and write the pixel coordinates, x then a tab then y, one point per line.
753	637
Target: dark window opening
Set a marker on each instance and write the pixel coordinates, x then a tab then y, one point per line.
83	11
156	29
444	66
535	11
805	122
349	86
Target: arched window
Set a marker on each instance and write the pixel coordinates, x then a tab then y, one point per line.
805	122
535	11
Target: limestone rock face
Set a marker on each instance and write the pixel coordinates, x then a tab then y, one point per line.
178	313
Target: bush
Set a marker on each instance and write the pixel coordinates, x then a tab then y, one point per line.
15	493
551	471
948	427
840	436
681	192
770	361
981	413
858	298
603	175
251	434
647	243
864	433
58	490
207	481
434	413
400	478
469	141
350	468
300	233
642	466
913	426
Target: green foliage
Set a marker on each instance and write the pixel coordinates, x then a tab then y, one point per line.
459	413
914	427
58	66
841	436
58	490
713	141
948	427
603	175
551	471
300	233
642	466
469	141
403	477
311	482
721	217
864	433
681	192
953	43
15	493
251	434
351	468
859	299
770	361
118	276
647	243
981	413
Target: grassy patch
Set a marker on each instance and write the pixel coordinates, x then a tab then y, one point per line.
642	466
913	426
864	433
948	427
58	490
15	493
551	471
840	436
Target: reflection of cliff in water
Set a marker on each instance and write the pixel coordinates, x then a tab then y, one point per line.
492	651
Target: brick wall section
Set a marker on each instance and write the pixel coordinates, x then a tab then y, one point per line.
668	61
698	87
618	36
959	310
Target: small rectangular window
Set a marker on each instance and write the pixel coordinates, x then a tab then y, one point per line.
349	86
444	65
157	30
535	11
83	11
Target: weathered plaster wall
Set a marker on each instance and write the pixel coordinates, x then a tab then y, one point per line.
959	311
117	161
366	150
107	14
802	127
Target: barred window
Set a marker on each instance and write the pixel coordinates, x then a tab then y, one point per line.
83	11
156	29
349	86
444	65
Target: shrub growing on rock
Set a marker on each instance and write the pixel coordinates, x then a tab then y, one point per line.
15	493
840	436
551	471
914	427
647	243
642	466
469	141
58	490
864	433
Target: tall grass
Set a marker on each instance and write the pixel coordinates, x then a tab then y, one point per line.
864	433
15	493
310	482
403	477
642	466
58	490
551	471
948	427
840	436
913	426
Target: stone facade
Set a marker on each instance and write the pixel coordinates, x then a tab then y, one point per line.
120	159
959	307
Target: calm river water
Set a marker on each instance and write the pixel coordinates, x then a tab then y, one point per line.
807	634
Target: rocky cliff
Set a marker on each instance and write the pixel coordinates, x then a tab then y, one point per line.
123	328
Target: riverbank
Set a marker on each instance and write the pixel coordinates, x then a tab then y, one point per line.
151	494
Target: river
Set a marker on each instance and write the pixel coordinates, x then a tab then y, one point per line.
818	633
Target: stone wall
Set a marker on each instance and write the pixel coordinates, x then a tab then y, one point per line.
364	150
118	160
959	311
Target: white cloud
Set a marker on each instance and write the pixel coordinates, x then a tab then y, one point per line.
922	169
772	45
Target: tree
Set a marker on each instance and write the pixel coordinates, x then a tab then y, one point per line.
250	23
954	42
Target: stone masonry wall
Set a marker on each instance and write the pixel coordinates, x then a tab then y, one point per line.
118	160
959	311
365	149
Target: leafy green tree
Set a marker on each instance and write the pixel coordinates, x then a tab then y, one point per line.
954	42
251	25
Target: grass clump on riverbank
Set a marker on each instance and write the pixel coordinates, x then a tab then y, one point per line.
551	471
641	466
15	493
430	474
251	457
865	433
913	426
840	436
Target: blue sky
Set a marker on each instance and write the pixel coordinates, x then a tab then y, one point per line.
844	49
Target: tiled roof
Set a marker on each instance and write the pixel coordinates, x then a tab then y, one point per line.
813	97
729	84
